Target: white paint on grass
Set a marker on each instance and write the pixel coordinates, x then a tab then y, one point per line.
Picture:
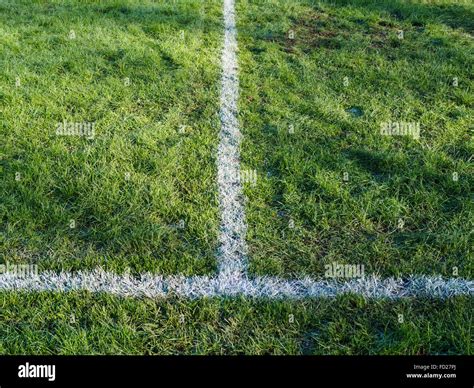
232	260
232	279
153	286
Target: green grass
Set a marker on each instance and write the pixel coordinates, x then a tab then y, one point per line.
127	189
48	323
131	223
302	214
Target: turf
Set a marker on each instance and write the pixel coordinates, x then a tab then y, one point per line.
82	323
130	187
317	81
141	193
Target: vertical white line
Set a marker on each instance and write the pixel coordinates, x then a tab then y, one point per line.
232	248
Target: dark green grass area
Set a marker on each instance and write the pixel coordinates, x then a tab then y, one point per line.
332	188
141	193
83	323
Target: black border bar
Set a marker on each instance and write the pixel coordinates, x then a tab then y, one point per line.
311	371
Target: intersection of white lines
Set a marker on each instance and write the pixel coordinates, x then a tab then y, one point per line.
232	278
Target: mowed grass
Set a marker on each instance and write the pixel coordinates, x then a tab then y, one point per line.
317	81
82	323
141	194
130	221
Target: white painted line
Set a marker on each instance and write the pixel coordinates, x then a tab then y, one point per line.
232	248
148	285
232	279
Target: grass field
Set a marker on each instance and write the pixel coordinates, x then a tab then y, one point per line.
146	74
312	107
318	80
82	323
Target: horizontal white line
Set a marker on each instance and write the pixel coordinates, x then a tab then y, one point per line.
153	286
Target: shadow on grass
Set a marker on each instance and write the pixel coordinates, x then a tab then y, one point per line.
454	15
402	170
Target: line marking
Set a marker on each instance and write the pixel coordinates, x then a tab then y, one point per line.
232	279
232	260
153	286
